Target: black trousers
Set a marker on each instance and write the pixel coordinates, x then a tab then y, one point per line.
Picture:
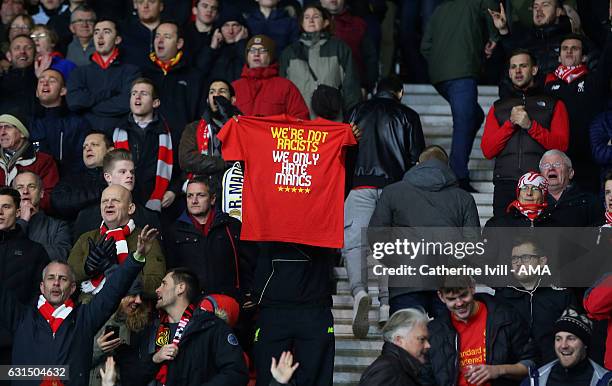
307	332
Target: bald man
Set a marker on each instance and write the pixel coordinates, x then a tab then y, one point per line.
116	208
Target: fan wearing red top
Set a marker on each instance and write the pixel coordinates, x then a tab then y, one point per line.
478	341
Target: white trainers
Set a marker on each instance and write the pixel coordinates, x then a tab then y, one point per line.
383	314
361	307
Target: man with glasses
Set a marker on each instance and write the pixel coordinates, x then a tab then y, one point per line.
532	296
82	21
520	128
260	91
568	203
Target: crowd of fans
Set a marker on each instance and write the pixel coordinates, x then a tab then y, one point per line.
115	187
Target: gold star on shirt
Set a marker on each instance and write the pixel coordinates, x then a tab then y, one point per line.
294	189
287	189
307	190
300	190
280	188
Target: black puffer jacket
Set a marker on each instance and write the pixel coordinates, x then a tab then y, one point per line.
391	142
506	343
394	367
576	208
219	259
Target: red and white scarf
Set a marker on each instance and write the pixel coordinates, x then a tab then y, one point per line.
120	236
568	74
54	316
531	211
162	337
203	138
608	223
164	165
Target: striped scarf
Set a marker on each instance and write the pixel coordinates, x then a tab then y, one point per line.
608	219
166	66
164	165
162	337
119	235
54	316
203	138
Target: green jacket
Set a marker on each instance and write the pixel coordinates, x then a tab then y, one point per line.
152	273
331	61
455	37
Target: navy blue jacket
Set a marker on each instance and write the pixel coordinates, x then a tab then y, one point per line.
71	345
601	135
103	96
280	27
61	133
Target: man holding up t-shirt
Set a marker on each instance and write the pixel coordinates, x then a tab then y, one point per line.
491	340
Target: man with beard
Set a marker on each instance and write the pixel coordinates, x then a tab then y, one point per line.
572	366
188	346
200	149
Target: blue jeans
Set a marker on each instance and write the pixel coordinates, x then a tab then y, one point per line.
427	300
412	14
462	94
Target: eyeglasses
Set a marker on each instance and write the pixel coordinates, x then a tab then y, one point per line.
548	165
524	258
530	188
37	36
260	51
83	21
6	127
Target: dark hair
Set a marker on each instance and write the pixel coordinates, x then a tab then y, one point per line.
523	51
209	182
324	14
608	176
82	8
391	84
7	191
116	24
529	238
434	152
575	37
197	2
179	29
192	285
28	20
143	80
229	86
108	141
456	284
115	155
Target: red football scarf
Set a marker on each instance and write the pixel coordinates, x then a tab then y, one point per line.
531	211
54	316
119	235
570	73
166	66
609	218
202	141
97	58
164	165
162	337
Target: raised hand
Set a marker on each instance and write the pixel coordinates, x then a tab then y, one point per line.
283	371
499	19
145	240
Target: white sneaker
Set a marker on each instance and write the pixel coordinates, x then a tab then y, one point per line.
383	314
361	307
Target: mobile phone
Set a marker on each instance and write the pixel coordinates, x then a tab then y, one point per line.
114	330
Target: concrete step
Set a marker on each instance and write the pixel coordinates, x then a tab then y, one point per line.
366	346
348	314
344	301
346	330
416	89
346	378
483	187
343	288
436	105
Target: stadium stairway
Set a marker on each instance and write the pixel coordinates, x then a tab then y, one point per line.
354	355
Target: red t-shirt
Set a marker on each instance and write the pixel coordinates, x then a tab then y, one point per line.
294	177
472	342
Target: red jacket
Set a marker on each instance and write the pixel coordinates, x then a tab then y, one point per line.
36	162
260	91
598	305
495	137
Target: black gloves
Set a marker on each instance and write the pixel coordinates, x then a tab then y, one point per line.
226	108
101	257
